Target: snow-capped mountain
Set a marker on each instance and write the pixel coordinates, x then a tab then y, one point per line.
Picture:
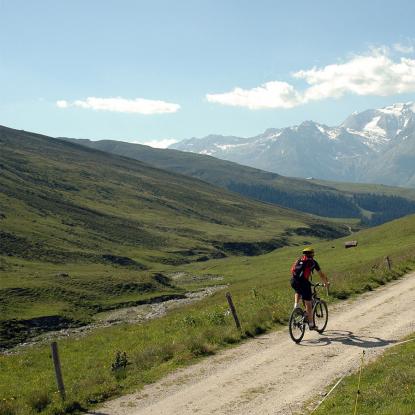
381	127
376	146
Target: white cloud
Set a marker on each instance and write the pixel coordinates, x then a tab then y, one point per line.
62	104
373	74
162	143
273	94
404	48
137	106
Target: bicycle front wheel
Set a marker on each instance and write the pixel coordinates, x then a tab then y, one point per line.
297	325
321	315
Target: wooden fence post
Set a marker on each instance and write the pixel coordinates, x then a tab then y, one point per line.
388	263
58	370
233	311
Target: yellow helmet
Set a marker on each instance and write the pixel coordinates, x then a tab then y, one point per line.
308	250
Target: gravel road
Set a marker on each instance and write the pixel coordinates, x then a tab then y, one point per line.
271	374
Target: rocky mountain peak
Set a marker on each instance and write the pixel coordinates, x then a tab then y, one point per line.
384	122
376	145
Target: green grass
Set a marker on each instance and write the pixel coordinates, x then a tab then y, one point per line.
387	386
62	207
405	192
67	209
263	299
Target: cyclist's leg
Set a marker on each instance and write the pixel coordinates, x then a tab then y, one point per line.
307	297
309	310
297	295
297	299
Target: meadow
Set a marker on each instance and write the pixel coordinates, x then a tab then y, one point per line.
387	386
263	299
83	231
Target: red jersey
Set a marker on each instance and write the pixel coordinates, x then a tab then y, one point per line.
304	267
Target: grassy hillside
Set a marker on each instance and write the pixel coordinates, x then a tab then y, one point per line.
387	386
374	204
263	298
83	231
358	188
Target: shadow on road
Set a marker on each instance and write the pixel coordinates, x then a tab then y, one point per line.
347	338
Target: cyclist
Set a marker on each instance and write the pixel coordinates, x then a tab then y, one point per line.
300	281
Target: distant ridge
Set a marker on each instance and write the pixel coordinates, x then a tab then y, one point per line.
373	204
373	146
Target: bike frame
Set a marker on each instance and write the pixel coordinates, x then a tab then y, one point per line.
300	324
314	296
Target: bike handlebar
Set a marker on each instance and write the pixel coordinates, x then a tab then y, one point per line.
319	284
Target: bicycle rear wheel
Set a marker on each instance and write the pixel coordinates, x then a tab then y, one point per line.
321	315
297	325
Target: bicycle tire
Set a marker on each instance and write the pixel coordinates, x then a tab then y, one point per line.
320	315
296	325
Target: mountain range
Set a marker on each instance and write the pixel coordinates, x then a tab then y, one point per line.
373	146
373	204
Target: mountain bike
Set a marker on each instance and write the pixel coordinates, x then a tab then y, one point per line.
298	318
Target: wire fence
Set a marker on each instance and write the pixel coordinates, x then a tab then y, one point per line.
358	390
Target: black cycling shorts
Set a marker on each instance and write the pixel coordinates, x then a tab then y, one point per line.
302	287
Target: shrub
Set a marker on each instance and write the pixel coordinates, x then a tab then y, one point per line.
151	356
189	321
341	295
216	317
120	374
73	406
39	401
67	407
145	359
120	361
198	346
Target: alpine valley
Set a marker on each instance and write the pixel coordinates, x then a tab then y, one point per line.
373	146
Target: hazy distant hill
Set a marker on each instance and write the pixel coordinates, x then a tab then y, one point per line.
374	146
321	198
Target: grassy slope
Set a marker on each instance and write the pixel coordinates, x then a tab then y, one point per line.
63	206
263	299
319	197
387	386
48	200
408	193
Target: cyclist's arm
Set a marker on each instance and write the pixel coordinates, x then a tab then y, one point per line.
323	277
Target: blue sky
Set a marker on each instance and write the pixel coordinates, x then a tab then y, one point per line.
144	71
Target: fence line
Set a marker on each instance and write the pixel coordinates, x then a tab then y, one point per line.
233	311
331	390
58	369
358	383
358	392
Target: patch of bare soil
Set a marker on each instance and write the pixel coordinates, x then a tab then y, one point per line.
271	374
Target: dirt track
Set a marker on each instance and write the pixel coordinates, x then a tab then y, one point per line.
272	375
